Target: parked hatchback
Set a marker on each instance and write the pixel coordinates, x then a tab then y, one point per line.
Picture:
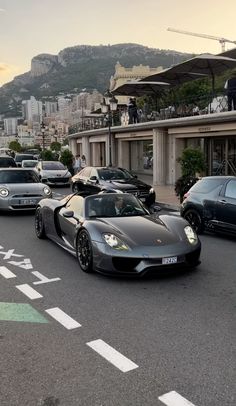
211	204
21	157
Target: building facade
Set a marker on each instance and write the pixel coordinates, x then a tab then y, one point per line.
153	147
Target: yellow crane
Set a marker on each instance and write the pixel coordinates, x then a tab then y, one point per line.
221	40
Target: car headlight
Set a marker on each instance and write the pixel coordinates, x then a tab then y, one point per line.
115	242
4	192
151	190
191	235
47	191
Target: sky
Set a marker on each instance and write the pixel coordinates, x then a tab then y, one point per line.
32	27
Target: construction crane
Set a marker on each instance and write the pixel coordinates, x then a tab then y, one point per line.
221	40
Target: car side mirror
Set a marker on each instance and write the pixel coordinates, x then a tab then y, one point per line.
68	213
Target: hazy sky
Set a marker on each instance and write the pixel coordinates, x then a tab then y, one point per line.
31	27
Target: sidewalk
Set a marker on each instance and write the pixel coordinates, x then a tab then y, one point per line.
165	195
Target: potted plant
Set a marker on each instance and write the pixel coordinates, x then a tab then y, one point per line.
192	164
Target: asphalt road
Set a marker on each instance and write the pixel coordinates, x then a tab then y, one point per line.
172	336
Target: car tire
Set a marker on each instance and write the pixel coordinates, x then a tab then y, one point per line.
84	251
39	224
195	220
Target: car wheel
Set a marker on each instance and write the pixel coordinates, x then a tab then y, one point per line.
195	220
84	251
39	224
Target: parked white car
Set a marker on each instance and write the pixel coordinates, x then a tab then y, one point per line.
53	173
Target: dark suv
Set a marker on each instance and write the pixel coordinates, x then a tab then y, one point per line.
211	204
109	179
21	157
7	162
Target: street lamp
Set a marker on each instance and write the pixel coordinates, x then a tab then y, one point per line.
43	134
108	106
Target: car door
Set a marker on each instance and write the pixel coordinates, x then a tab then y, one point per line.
226	206
68	224
92	183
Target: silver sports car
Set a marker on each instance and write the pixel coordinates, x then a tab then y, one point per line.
21	189
114	233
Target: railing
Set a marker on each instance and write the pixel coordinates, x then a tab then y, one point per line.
176	108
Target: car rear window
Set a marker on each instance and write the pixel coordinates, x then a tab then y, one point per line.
206	185
20	158
18	176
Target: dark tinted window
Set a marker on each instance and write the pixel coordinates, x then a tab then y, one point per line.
112	174
6	162
21	157
206	185
18	176
53	165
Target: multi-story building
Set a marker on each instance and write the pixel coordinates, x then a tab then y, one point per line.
51	108
10	125
32	110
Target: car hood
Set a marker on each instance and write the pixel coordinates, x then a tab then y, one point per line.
24	187
140	230
55	173
129	184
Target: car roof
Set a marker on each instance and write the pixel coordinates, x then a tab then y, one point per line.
224	177
16	169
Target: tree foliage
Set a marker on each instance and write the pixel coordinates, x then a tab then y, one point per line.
15	146
55	146
192	161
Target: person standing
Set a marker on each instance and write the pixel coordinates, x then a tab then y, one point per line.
230	87
77	164
83	161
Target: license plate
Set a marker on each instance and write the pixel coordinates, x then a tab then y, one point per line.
28	201
168	261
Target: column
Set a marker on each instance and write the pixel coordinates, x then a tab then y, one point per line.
86	149
159	156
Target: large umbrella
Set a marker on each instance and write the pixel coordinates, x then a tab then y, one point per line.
174	78
140	88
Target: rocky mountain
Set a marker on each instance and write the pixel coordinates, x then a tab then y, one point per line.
79	67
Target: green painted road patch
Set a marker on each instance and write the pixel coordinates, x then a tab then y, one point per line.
20	312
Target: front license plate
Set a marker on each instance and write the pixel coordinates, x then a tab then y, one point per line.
28	201
168	261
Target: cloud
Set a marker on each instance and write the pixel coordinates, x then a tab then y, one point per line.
2	10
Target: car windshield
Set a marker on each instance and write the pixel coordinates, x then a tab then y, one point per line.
111	174
20	158
113	205
206	185
6	162
18	176
53	166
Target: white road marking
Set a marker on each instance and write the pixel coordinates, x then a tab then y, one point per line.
43	279
174	399
28	291
111	355
63	318
6	273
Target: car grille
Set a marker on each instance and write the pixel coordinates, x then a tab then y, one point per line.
137	193
27	195
58	180
125	264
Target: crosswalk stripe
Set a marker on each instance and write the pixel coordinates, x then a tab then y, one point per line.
63	318
111	355
6	273
28	291
174	399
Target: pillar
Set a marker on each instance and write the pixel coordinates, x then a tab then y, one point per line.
160	158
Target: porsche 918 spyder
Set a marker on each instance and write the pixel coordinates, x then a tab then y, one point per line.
115	234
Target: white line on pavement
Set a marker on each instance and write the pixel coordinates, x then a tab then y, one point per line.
63	318
6	273
111	355
43	279
174	399
28	291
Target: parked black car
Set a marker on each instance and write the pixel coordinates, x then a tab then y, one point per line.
211	204
107	179
7	162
